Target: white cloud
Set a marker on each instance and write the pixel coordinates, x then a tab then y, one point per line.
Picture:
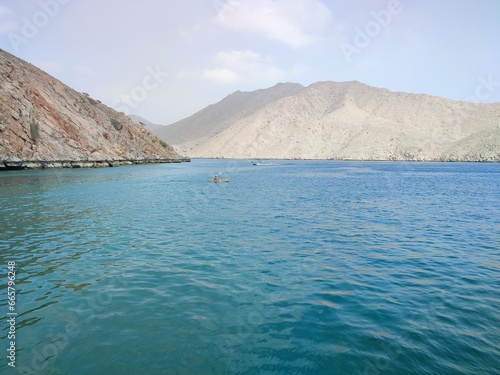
242	66
293	22
242	60
219	75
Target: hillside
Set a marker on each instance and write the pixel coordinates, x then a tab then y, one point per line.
44	123
330	120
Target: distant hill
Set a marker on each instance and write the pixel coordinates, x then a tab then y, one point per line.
145	123
45	123
330	120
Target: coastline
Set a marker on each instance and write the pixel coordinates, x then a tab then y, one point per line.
437	160
18	164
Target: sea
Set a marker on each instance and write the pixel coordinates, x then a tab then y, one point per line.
303	267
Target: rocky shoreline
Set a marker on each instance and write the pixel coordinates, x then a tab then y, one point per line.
18	164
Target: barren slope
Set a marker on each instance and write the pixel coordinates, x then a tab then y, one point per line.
216	117
350	120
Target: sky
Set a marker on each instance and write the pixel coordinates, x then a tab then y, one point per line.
165	60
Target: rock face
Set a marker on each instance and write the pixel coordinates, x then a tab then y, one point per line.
44	123
330	120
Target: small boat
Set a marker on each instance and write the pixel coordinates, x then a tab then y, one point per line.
261	163
218	180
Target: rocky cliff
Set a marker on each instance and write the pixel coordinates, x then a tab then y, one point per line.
44	123
330	120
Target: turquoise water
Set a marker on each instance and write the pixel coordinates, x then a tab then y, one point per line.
298	268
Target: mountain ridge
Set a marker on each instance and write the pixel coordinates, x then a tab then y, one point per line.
232	107
339	120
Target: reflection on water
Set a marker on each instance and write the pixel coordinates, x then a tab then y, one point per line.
305	267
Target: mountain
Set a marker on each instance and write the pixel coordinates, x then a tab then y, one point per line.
44	123
218	117
145	123
330	120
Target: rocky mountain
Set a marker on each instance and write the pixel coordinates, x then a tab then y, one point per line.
330	120
217	117
44	123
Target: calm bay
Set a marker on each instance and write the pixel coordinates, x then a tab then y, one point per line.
305	267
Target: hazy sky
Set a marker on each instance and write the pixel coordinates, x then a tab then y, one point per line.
165	59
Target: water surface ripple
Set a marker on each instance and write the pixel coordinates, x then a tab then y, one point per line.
298	268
